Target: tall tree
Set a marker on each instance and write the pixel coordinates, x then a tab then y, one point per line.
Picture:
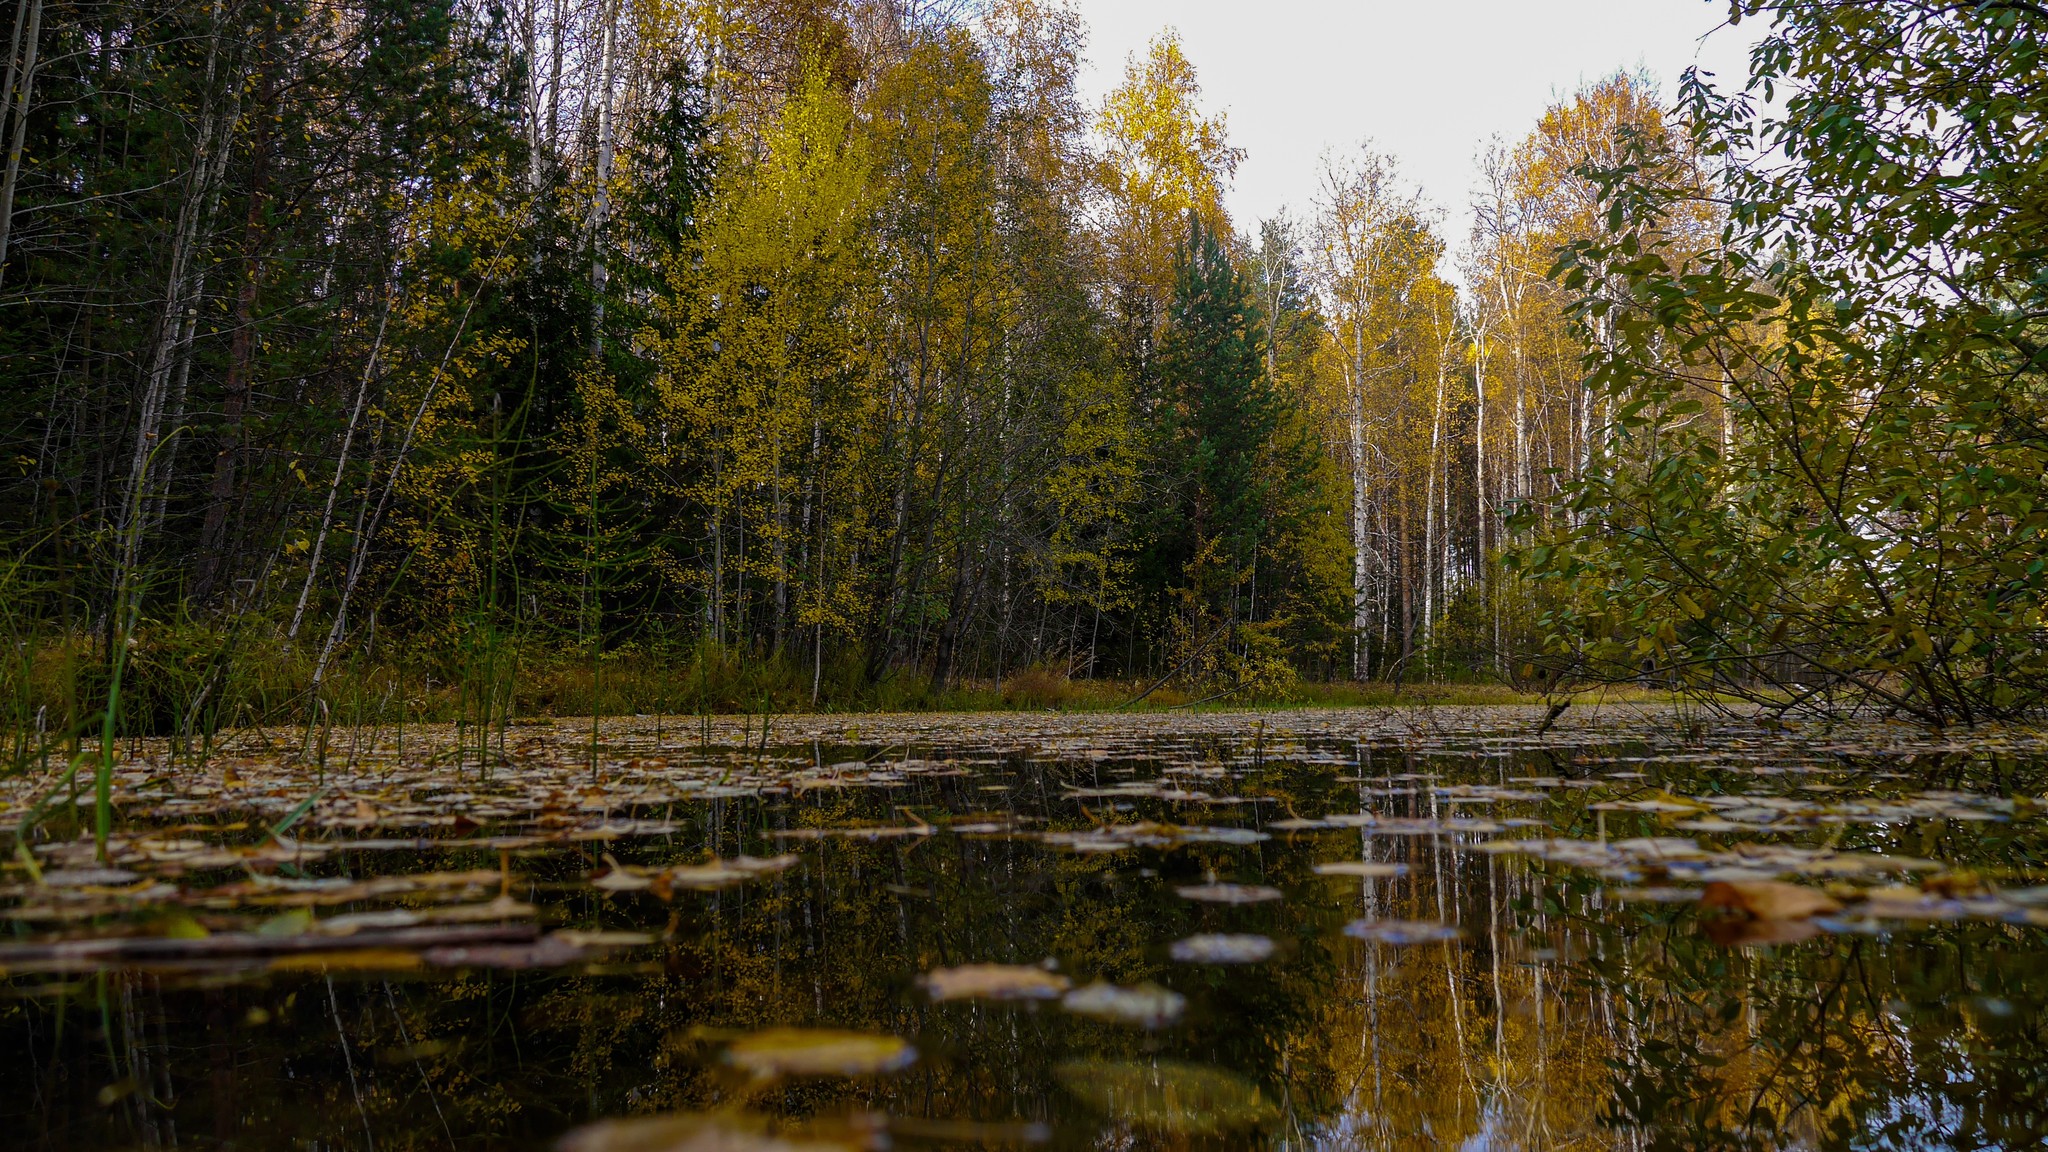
1864	524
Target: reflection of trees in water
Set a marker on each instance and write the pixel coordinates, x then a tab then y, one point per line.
1435	1045
1562	1020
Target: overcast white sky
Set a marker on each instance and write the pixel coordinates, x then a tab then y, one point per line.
1426	81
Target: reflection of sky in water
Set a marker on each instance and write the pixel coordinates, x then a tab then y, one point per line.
1584	1007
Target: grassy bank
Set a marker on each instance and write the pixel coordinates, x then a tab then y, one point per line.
188	685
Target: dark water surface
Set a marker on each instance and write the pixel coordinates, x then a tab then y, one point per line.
454	947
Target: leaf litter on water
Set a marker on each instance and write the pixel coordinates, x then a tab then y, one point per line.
1798	820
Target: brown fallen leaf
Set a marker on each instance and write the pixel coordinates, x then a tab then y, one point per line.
1769	899
994	982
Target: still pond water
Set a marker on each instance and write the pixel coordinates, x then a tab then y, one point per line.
1332	930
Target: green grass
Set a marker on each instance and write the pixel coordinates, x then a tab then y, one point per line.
187	683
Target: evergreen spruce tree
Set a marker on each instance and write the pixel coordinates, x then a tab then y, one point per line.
1221	416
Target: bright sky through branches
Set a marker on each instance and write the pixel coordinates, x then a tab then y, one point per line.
1429	82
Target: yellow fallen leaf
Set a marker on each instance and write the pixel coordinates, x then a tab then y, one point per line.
818	1052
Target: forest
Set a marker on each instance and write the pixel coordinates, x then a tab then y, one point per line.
782	576
781	354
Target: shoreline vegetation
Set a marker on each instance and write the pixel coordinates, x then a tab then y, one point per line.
354	370
166	696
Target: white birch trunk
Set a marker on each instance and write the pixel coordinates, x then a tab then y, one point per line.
601	193
1361	528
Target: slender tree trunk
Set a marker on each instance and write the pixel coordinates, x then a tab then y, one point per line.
16	101
1479	508
174	324
601	193
1430	521
1361	530
241	356
778	549
366	533
348	437
529	32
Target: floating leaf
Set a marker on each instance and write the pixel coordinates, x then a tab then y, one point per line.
724	1132
1769	899
718	873
296	922
547	952
365	959
1655	895
1735	931
578	938
1147	1005
995	982
622	879
1219	948
1369	869
1229	893
818	1052
89	877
